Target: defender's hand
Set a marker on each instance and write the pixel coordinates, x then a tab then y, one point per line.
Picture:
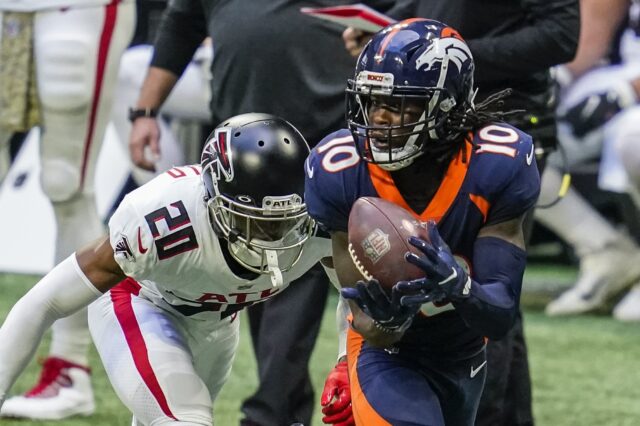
336	397
145	132
445	278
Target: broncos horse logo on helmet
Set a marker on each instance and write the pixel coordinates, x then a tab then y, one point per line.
418	61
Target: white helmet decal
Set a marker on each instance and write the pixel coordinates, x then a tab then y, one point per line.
453	48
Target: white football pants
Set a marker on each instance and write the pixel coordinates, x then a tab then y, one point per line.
165	367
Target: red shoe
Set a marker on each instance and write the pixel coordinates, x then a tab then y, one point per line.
64	390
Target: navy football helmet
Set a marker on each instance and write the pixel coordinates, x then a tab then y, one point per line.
418	62
252	205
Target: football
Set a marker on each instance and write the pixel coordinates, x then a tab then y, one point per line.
378	240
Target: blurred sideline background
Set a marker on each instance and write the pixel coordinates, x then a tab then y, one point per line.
584	369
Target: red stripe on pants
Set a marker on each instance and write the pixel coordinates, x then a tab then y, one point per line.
121	299
110	15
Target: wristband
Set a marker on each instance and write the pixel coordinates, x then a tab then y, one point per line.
393	329
135	113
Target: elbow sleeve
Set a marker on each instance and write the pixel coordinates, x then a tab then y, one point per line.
495	292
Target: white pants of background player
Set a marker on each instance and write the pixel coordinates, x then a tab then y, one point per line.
77	52
163	366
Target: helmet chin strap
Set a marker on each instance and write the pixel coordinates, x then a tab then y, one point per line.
274	270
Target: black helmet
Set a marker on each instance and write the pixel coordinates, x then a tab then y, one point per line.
253	173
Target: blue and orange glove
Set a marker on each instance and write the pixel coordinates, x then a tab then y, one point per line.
444	278
388	314
336	397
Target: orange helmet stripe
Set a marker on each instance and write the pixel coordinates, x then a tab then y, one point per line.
394	29
450	32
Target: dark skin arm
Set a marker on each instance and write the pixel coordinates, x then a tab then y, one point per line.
511	231
97	262
348	275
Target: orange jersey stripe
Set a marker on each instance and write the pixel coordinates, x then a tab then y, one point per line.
386	188
363	413
442	200
482	204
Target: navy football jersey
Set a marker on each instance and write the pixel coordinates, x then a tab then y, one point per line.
496	182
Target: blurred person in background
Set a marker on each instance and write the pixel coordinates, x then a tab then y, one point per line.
188	103
268	57
514	45
58	69
599	115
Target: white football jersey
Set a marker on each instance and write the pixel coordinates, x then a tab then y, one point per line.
162	238
35	5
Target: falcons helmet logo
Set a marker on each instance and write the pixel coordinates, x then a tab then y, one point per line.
217	157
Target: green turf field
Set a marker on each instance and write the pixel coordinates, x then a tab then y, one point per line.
585	370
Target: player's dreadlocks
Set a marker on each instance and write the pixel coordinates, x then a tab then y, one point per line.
469	118
489	110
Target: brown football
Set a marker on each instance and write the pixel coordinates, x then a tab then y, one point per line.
378	240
